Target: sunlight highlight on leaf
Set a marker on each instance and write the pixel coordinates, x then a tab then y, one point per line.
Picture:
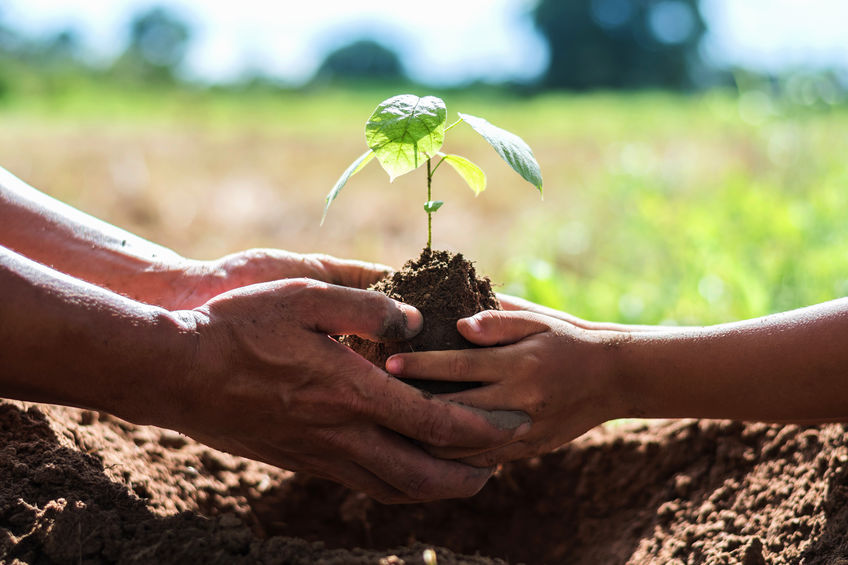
470	173
404	131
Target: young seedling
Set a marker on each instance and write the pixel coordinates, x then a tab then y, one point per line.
406	131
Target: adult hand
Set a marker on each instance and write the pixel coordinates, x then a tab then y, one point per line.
54	234
552	370
193	282
267	382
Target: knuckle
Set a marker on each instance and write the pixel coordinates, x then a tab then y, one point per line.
458	365
535	401
489	318
439	430
331	438
332	400
419	487
322	264
305	294
346	396
528	364
305	289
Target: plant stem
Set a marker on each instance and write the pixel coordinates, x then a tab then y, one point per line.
429	198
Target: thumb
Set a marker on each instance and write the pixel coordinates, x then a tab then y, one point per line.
346	272
496	327
337	310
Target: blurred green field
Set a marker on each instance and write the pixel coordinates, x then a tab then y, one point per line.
658	208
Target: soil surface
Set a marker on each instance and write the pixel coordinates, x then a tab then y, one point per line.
82	487
445	287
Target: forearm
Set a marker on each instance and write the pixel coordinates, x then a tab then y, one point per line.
786	367
64	341
60	236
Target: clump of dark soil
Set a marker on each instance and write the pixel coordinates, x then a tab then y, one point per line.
81	487
445	287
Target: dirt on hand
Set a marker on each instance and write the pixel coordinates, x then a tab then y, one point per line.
82	487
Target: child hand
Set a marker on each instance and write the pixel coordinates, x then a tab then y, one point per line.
559	374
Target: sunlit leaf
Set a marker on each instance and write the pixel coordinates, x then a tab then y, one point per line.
404	131
510	147
432	205
354	168
471	173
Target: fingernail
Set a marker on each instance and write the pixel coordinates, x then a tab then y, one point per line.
394	365
414	320
522	429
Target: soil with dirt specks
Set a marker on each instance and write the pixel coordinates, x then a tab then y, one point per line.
82	487
444	286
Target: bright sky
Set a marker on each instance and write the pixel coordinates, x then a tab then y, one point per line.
440	41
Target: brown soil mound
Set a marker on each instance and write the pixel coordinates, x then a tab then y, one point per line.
445	287
80	487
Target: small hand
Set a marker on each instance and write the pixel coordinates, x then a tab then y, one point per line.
270	384
555	372
514	303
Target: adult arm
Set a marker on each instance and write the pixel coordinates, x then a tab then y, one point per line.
254	372
791	366
57	235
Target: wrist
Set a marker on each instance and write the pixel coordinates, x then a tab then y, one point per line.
153	390
626	393
603	371
652	380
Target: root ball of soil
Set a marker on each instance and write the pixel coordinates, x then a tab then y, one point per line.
445	287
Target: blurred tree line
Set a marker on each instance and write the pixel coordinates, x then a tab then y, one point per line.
593	44
620	44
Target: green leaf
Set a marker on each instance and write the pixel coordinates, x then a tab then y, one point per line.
510	147
404	131
471	173
354	168
432	205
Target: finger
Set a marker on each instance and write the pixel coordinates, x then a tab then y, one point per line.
351	273
337	310
511	303
455	453
432	421
356	477
416	474
497	327
511	452
462	365
327	466
514	303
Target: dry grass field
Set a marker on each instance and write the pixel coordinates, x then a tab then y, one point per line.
656	208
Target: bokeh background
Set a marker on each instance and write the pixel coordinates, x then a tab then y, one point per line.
694	153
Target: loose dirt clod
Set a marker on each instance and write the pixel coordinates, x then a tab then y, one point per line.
445	287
